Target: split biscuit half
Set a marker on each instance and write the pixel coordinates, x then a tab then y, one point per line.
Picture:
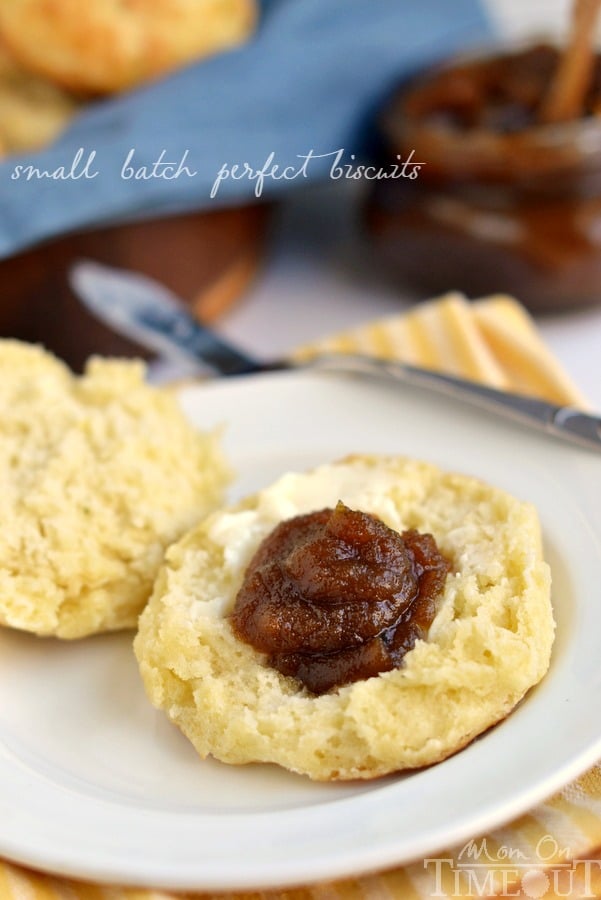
489	643
98	475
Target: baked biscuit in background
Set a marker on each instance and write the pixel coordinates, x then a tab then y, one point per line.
98	475
489	643
33	111
111	45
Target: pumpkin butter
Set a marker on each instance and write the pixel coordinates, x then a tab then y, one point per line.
337	596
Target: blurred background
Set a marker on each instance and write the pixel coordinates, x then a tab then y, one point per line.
512	206
538	17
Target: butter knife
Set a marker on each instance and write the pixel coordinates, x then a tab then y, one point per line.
151	315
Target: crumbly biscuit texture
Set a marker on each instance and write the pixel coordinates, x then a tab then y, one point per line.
98	474
33	112
489	643
109	45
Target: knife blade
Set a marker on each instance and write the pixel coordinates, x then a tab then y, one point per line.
150	314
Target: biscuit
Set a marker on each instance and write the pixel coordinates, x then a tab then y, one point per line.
488	644
33	112
98	474
108	46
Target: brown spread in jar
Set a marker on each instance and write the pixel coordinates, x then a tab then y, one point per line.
501	94
505	202
336	596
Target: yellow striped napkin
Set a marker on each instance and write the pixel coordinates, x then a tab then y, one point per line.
558	844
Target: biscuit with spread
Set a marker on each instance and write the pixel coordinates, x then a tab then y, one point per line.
490	640
98	474
106	46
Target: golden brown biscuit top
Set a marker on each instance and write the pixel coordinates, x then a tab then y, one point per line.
109	46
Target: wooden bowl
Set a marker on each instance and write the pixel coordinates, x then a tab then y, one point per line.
208	259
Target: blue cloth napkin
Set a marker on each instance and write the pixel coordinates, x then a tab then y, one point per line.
309	81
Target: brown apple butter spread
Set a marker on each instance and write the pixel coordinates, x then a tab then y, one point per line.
336	596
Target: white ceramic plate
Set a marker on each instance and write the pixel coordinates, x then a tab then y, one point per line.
95	783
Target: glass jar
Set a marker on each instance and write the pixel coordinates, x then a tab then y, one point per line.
505	206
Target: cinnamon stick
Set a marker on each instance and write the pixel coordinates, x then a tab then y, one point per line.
565	99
